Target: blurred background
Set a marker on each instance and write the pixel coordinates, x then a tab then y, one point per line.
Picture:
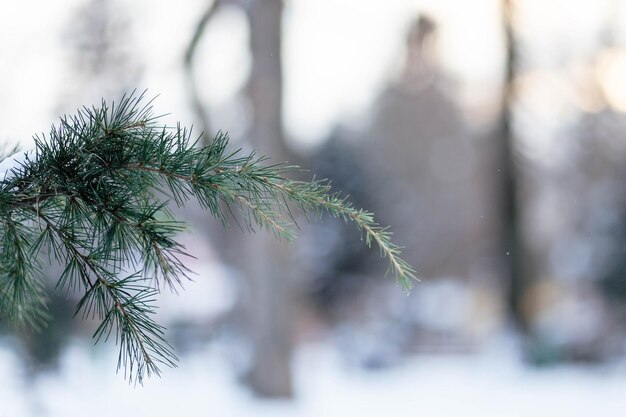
491	135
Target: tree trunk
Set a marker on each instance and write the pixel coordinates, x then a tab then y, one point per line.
267	262
261	258
512	246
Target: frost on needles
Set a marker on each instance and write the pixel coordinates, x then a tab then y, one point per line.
94	197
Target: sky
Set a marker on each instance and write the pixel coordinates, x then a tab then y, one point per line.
338	55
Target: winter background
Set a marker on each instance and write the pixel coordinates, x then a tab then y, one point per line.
406	105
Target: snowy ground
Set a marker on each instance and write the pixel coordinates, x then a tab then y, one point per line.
490	384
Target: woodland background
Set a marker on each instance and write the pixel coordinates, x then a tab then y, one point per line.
490	134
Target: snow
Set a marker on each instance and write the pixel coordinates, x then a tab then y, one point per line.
15	162
493	383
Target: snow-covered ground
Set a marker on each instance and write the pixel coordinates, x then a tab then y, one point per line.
493	383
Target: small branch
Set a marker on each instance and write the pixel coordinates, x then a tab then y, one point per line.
117	302
400	268
281	230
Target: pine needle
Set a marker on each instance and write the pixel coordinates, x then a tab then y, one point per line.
92	198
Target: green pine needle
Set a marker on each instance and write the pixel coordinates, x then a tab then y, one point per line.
92	198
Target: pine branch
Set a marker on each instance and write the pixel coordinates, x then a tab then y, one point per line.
94	197
318	196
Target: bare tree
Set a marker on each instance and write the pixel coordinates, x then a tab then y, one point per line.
512	244
266	261
101	53
270	309
197	104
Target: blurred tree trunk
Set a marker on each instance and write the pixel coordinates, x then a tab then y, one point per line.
270	305
200	110
512	243
264	261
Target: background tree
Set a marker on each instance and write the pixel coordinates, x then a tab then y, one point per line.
511	238
270	312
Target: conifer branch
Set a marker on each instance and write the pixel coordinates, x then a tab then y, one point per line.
93	197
